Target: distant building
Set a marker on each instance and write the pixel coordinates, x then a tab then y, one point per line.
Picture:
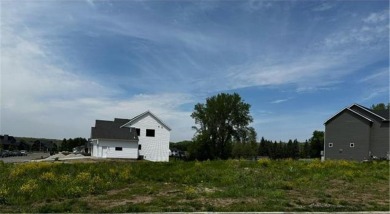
357	133
144	136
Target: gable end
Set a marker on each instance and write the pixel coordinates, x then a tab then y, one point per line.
349	110
143	115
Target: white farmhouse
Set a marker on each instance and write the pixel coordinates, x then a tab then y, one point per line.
145	136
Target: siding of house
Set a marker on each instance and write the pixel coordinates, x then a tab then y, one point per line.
153	148
344	129
106	149
94	148
380	140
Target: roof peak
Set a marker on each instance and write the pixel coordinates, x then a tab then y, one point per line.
371	111
148	112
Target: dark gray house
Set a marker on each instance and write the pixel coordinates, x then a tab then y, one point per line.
357	133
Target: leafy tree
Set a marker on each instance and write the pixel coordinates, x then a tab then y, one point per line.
68	145
305	152
64	145
290	148
221	120
316	144
182	145
380	106
246	146
263	148
295	149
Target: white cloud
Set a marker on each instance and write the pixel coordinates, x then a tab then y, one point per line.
323	7
255	5
40	98
91	3
377	76
376	84
377	17
367	34
280	101
375	92
303	73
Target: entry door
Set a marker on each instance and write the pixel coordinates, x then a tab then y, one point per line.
104	151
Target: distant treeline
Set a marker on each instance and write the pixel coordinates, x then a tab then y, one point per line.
43	144
33	139
275	150
69	144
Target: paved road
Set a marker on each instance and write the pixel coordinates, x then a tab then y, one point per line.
30	156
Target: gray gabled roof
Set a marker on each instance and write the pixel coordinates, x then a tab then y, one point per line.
121	121
350	110
111	130
382	114
143	115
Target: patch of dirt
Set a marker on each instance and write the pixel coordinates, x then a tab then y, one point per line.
119	202
324	205
116	191
221	202
134	200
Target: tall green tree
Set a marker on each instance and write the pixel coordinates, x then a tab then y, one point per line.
305	152
316	144
295	149
245	146
380	106
263	148
220	120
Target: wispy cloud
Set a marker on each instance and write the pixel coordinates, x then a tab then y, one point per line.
377	17
377	91
280	101
303	73
366	34
376	85
77	61
41	98
90	3
323	7
377	76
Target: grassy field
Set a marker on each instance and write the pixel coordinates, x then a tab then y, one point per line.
120	186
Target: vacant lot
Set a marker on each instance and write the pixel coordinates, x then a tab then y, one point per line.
120	186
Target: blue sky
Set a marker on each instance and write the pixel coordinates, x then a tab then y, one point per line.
65	64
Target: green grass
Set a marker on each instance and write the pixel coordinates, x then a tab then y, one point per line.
234	185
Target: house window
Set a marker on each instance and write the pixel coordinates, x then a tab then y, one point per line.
118	148
352	145
139	147
330	145
149	132
138	132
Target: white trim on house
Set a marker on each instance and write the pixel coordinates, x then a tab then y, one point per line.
362	107
357	113
361	115
143	115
